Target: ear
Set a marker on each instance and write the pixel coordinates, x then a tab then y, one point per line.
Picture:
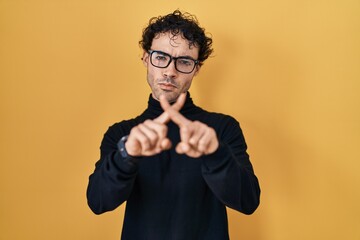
145	58
197	70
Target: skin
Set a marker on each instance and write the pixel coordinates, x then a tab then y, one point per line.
168	81
169	85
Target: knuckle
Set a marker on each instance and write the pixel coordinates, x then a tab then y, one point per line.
202	142
134	130
140	126
143	140
199	124
147	122
164	132
163	128
185	129
145	145
153	137
196	122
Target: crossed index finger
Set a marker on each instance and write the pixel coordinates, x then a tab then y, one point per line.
164	117
172	111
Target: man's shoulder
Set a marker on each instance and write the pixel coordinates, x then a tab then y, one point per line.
218	117
125	124
221	122
119	129
123	127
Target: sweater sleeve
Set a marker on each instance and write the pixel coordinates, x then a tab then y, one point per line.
112	181
229	173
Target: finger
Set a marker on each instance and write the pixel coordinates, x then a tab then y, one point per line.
180	101
158	128
209	142
176	106
161	133
163	118
165	144
178	118
204	143
183	148
150	134
139	138
186	133
164	103
133	147
199	131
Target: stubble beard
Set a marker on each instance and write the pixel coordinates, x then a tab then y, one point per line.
171	96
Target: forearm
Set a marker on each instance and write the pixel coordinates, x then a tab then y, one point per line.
231	178
111	183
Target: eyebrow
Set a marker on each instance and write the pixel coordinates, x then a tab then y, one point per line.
183	56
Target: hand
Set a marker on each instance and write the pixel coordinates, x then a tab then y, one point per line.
150	137
197	138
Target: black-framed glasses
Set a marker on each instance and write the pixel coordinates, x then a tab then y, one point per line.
182	64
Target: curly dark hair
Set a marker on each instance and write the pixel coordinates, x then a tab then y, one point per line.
178	23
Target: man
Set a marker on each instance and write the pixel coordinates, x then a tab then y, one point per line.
176	165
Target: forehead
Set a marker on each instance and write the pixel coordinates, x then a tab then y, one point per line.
175	45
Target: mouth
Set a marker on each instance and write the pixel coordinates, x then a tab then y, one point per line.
167	86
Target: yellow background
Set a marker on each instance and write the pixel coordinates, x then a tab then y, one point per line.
289	71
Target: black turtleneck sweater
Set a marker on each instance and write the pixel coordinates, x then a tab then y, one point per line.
171	196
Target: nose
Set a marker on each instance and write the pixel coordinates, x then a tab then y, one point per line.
170	71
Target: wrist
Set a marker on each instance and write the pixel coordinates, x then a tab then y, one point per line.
122	148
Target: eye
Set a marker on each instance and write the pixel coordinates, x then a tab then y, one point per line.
160	57
185	61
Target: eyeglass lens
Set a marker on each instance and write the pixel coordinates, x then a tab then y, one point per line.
182	64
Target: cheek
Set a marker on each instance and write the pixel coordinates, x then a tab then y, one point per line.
153	74
187	84
150	75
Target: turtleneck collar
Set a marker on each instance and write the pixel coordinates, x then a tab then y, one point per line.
154	108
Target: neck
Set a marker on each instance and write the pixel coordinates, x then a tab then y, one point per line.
154	106
171	101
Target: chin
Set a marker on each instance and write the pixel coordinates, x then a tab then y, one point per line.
170	96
